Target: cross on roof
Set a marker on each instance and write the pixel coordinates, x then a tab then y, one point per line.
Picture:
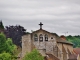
40	25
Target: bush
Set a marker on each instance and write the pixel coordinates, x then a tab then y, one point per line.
5	56
34	55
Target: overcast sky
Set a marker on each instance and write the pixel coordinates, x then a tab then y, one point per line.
58	16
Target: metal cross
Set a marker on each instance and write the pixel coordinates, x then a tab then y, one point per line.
40	25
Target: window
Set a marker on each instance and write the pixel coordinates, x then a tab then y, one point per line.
40	37
35	37
46	37
51	37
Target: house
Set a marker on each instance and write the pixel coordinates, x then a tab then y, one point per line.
50	45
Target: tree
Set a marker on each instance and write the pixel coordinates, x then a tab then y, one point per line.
10	46
75	40
6	45
5	56
1	25
16	33
34	55
2	43
7	48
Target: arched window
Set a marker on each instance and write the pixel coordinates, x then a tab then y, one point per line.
40	37
35	37
46	37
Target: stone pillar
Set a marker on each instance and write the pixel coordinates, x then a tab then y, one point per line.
61	55
26	44
67	54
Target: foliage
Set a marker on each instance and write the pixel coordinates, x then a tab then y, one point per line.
34	55
6	45
16	33
5	56
2	43
7	48
10	46
74	39
1	25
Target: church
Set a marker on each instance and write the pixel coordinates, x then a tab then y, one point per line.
49	45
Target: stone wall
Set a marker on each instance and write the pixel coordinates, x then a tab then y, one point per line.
65	49
26	44
46	46
60	50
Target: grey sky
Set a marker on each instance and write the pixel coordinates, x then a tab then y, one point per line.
58	16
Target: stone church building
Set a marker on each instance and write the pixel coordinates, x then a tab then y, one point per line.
51	46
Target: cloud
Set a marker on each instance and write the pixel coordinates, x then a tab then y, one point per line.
57	15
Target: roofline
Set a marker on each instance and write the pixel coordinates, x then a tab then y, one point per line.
41	29
65	43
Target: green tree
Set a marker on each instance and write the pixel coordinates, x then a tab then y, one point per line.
2	43
5	56
7	48
1	25
6	45
34	55
10	46
75	40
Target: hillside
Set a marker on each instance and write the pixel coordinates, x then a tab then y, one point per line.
74	39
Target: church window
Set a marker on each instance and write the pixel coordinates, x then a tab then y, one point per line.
46	37
51	37
40	37
35	37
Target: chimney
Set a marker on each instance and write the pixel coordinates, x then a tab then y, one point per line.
63	37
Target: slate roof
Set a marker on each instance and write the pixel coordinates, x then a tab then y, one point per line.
59	40
39	30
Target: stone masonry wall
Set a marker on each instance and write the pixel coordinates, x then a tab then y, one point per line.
26	44
46	46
